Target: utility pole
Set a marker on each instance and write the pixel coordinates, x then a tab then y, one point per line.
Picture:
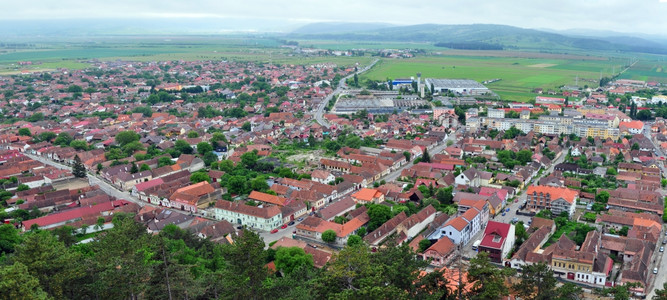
460	273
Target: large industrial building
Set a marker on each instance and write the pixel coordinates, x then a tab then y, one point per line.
457	86
380	102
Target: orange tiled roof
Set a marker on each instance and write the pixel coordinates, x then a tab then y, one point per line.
366	194
555	192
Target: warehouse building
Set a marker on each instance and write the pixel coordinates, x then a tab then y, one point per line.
457	86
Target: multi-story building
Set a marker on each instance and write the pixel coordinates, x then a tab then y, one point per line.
556	199
263	218
497	241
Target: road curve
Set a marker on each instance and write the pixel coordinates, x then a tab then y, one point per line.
319	112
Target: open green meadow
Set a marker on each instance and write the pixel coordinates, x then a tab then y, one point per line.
77	56
519	75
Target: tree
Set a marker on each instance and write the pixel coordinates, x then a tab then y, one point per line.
245	271
47	136
444	195
424	244
78	169
144	167
125	137
237	184
520	233
354	240
425	156
22	187
290	258
249	159
183	147
246	126
602	197
378	214
356	80
193	134
407	155
488	281
644	115
54	265
204	147
329	236
134	168
36	117
197	177
63	139
635	146
164	161
537	282
9	238
25	132
124	259
660	294
569	291
17	283
79	145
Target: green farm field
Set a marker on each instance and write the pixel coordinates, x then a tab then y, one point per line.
519	75
51	57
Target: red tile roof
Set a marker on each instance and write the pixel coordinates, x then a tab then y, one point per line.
495	234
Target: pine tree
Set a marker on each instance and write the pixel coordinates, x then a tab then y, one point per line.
78	170
425	156
134	168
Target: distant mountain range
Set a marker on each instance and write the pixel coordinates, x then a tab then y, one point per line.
479	37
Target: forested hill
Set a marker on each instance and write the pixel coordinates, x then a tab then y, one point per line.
477	36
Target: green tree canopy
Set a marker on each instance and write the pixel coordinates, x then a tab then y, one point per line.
125	137
329	236
25	132
199	177
290	258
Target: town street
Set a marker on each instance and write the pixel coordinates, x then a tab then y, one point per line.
341	85
287	232
513	209
94	180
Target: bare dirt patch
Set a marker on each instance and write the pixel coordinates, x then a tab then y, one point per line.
541	65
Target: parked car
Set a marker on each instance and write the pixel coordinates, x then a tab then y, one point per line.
655	270
284	226
508	209
664	241
291	223
503	214
274	231
514	220
662	249
300	219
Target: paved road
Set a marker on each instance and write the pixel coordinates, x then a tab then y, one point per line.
513	208
660	260
341	85
94	180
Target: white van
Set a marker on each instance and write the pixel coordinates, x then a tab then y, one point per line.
475	245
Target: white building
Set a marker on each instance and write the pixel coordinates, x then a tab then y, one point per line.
263	218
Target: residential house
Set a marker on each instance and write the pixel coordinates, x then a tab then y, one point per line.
497	240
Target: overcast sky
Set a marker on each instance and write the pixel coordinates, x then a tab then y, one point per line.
641	16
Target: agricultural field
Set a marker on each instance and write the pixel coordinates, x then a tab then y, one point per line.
519	75
77	56
647	70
